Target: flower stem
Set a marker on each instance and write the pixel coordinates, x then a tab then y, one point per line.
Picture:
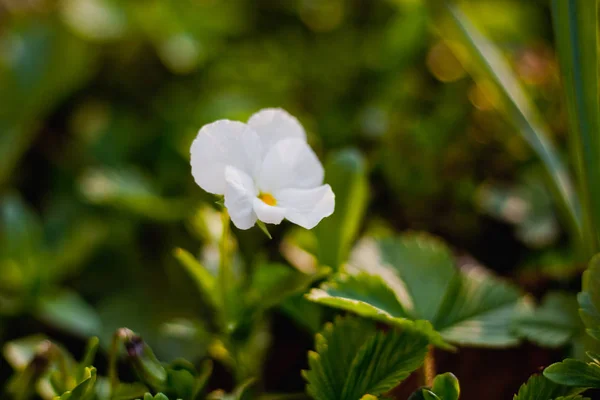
429	367
225	273
118	338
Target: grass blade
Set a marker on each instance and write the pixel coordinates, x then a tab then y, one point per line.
575	29
485	61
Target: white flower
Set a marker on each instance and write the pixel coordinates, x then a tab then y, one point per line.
265	169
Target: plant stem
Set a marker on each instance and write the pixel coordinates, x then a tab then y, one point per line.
429	367
113	356
225	272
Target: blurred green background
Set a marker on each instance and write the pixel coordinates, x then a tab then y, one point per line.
100	100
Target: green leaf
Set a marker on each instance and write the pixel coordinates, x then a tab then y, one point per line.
353	358
68	311
416	266
21	247
368	296
88	357
589	298
446	387
239	393
540	388
204	280
71	254
206	369
486	62
571	372
576	32
305	313
129	190
159	396
272	283
84	389
145	364
553	323
52	65
346	172
180	379
466	307
429	395
129	391
263	228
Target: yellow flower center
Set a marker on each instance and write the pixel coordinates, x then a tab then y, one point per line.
268	199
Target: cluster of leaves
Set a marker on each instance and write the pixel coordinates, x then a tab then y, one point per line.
97	214
46	369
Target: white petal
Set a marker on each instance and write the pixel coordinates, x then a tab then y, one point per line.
274	124
268	214
239	195
220	144
306	207
290	163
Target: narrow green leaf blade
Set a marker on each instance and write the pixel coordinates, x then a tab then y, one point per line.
589	298
204	280
576	32
485	61
346	172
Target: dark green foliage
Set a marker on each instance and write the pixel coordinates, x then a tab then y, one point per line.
540	388
352	359
414	278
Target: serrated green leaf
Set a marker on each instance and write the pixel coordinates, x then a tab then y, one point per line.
446	386
353	358
346	172
576	373
368	296
478	311
540	388
423	283
553	323
415	266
